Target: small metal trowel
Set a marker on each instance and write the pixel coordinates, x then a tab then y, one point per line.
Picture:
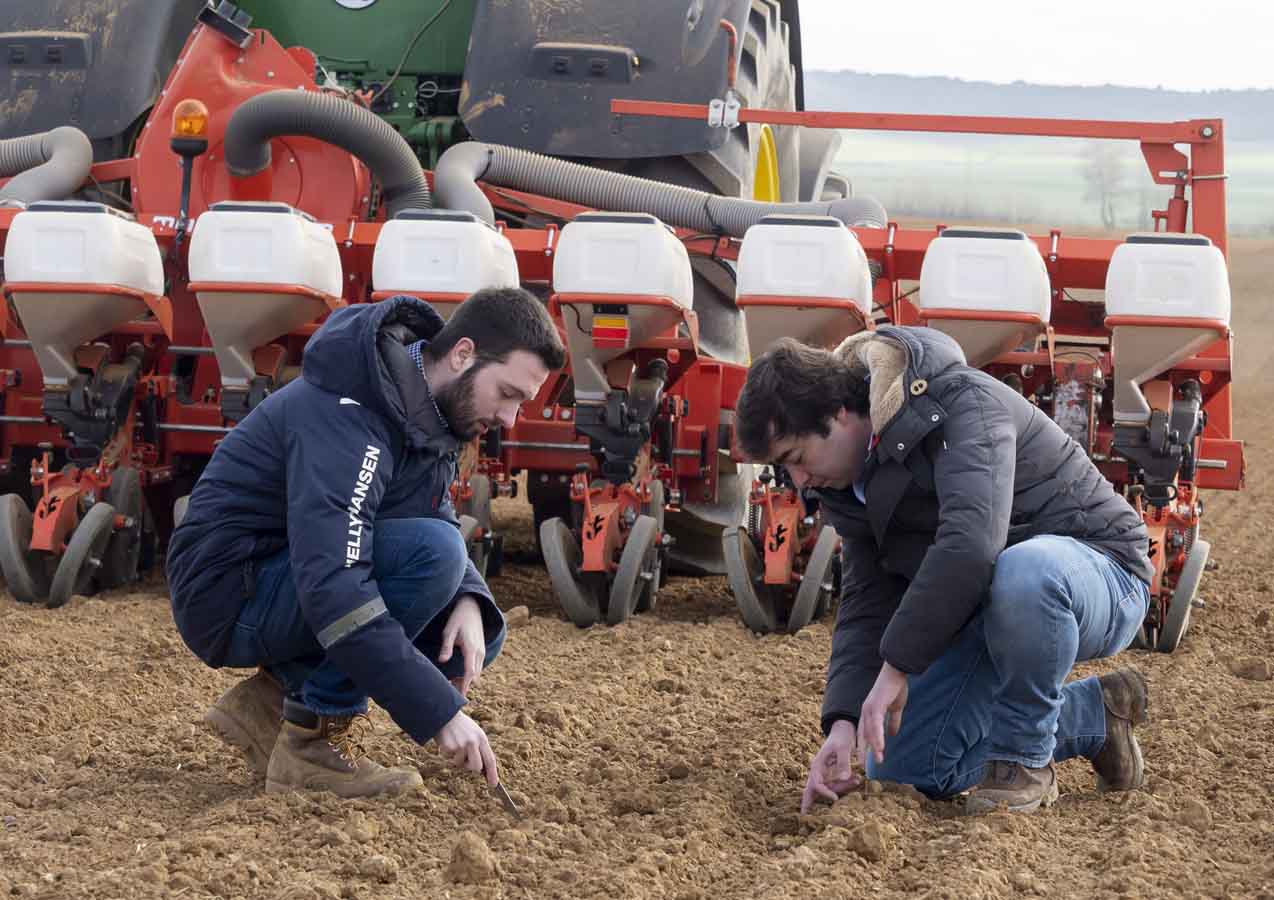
503	796
506	801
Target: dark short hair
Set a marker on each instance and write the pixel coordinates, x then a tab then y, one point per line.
499	321
793	390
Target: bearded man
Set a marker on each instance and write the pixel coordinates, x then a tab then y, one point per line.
321	546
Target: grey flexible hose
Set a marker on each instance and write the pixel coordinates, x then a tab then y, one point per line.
464	164
47	166
334	120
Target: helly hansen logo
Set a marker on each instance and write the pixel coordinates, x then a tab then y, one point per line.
354	542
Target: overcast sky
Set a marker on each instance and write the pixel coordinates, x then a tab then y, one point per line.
1170	43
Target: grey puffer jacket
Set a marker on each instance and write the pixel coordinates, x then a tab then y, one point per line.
964	467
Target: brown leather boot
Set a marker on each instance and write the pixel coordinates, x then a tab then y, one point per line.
325	753
1119	764
248	717
1013	786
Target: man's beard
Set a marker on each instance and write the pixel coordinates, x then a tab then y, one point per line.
458	406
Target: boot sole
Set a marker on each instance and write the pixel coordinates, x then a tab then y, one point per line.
234	733
282	787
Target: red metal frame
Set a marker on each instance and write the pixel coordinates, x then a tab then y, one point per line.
782	514
320	178
1203	171
58	510
607	511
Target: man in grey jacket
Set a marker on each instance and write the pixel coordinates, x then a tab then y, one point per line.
983	555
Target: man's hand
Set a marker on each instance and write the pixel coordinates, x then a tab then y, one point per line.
830	773
882	710
464	744
464	629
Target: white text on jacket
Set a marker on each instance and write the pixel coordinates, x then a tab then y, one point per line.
354	546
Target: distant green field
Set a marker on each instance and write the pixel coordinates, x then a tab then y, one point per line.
1038	180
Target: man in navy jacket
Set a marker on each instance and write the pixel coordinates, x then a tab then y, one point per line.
320	543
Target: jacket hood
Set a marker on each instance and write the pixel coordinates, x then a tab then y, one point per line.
361	353
896	358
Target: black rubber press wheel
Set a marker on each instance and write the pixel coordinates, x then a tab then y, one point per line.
657	511
579	594
26	571
1177	620
817	583
757	601
638	570
84	553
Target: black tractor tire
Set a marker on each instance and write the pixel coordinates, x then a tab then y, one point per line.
766	80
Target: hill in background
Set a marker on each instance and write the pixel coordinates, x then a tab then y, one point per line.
1248	115
1061	182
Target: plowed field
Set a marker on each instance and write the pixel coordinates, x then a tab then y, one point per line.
663	758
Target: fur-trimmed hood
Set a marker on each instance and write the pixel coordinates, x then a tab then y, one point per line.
897	358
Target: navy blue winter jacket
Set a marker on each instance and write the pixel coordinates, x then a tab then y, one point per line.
355	441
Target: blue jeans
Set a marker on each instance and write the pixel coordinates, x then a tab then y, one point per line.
999	692
417	564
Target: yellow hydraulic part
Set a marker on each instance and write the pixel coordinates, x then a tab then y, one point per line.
765	183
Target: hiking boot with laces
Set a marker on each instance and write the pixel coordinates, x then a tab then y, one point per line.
326	753
248	717
1119	764
1014	787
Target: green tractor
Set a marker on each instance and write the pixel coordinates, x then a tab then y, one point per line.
541	76
524	73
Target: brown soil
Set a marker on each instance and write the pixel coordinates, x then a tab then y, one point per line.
664	758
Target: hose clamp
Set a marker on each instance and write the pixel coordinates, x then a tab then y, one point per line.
724	112
732	107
